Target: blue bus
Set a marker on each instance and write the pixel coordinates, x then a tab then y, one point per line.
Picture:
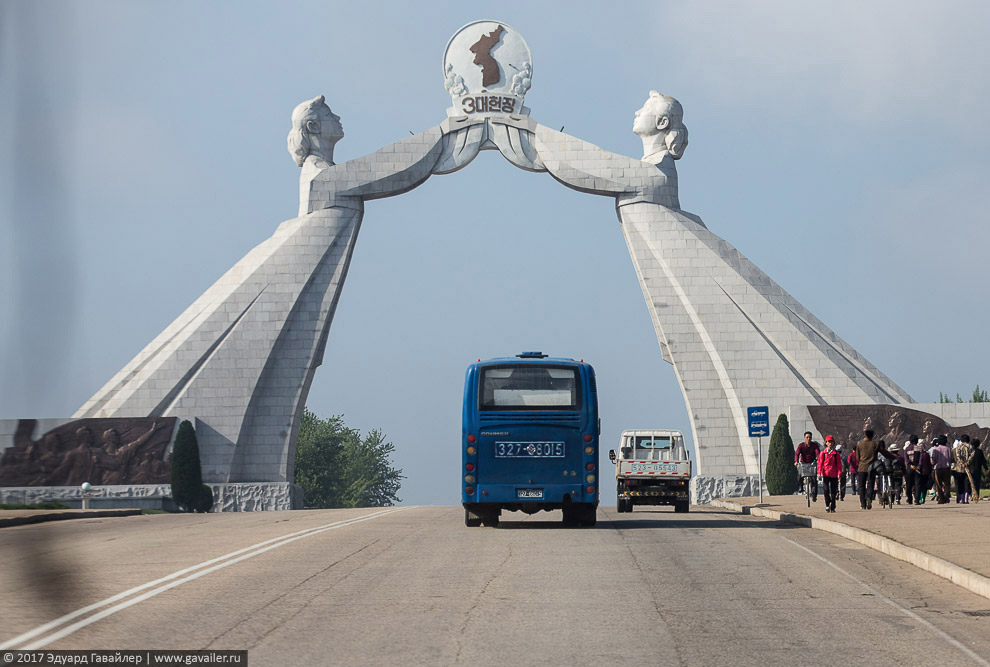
530	439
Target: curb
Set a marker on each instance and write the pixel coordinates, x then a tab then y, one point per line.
6	522
971	581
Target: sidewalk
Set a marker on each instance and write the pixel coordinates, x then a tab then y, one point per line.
952	541
22	517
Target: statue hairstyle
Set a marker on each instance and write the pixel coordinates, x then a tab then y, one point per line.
298	139
677	132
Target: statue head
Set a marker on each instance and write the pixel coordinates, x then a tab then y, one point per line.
111	439
84	436
315	131
659	123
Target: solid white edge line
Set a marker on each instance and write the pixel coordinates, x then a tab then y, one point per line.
944	635
41	629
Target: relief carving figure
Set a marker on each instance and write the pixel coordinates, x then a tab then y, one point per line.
899	423
68	455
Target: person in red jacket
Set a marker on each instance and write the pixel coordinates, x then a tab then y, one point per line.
830	467
853	466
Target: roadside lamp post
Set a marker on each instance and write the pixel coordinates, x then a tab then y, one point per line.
86	494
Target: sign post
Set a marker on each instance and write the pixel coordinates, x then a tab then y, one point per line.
759	426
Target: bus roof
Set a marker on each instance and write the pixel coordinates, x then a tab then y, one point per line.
530	358
652	431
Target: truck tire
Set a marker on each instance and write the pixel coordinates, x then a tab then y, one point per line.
682	506
470	520
620	505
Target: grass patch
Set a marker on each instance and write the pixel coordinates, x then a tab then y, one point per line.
51	505
149	511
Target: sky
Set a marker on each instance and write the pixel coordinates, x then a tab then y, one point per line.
840	146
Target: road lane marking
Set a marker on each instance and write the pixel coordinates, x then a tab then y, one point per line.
935	630
217	563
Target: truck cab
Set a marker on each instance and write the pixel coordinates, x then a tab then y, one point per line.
652	467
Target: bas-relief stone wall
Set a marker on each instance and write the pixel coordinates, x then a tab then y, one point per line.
227	497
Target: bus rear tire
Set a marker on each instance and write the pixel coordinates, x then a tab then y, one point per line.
491	521
590	517
470	520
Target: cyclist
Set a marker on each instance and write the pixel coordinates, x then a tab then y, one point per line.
807	454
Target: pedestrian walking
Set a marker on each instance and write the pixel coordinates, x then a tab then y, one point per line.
942	469
830	467
842	474
807	453
897	470
976	465
867	452
853	462
920	465
961	457
910	474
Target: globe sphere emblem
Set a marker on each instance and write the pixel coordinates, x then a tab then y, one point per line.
487	57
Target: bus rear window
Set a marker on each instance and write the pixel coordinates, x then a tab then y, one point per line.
529	387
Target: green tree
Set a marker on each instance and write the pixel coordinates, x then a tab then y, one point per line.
336	467
187	473
979	396
781	475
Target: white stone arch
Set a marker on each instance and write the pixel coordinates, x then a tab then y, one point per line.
242	357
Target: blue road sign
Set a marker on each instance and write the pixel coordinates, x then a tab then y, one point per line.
759	421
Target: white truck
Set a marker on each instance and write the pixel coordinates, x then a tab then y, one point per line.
652	468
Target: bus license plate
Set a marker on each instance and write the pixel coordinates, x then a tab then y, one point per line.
527	450
529	493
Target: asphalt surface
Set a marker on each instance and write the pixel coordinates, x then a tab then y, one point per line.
416	587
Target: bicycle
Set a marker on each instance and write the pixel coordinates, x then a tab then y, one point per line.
809	480
885	492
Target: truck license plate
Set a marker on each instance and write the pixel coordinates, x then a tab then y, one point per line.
653	467
529	493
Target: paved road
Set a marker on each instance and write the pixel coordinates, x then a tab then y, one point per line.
414	586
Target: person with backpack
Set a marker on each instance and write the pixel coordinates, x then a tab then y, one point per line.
829	468
867	452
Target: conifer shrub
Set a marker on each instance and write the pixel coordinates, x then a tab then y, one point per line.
204	499
781	475
187	473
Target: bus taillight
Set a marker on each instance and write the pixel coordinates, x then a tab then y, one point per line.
471	438
589	490
589	450
470	467
589	466
470	451
587	437
469	490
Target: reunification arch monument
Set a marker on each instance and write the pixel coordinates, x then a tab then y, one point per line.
241	359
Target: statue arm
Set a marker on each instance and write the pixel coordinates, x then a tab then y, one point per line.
588	168
389	171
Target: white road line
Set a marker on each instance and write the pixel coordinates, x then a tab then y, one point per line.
245	553
907	612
